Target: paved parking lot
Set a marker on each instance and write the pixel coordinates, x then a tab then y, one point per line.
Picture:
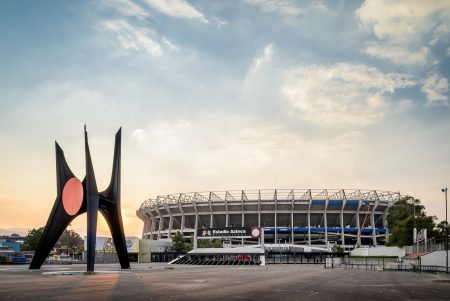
163	282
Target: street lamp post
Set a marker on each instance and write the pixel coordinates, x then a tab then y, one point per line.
415	229
446	231
415	248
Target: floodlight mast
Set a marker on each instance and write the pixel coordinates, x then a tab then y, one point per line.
444	190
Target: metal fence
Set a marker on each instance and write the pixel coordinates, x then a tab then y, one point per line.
360	263
384	264
429	247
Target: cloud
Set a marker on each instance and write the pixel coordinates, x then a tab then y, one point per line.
403	20
285	7
264	58
178	9
435	87
170	130
125	7
403	27
206	153
441	31
134	38
219	23
342	94
404	105
398	54
203	147
169	44
139	135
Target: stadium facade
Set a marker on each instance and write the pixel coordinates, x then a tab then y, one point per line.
289	216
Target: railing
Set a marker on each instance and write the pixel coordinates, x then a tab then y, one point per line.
385	264
432	269
429	247
362	263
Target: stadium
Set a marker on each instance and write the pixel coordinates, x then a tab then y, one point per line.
308	217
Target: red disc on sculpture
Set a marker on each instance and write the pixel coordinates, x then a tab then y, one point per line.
72	196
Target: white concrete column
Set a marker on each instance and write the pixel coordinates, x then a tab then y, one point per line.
170	225
211	216
292	225
276	225
358	224
259	208
183	221
385	223
242	212
153	226
372	223
145	230
342	222
309	220
227	216
325	218
161	222
196	221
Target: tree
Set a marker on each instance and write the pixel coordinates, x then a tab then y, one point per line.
440	231
207	243
178	243
204	243
403	209
401	220
32	239
217	243
189	245
337	249
69	241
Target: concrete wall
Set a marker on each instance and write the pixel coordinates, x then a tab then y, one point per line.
379	251
159	245
434	258
147	246
144	250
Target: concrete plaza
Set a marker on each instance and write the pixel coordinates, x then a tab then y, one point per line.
164	282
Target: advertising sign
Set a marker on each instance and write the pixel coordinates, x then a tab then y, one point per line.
106	244
236	232
132	244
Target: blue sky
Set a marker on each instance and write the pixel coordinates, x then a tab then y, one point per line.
216	95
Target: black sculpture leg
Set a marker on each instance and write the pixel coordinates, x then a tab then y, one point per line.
110	206
49	237
92	200
114	220
59	219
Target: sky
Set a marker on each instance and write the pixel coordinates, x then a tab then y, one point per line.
223	95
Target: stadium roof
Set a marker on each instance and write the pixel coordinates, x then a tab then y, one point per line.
278	194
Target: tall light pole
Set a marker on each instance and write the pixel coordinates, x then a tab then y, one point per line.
415	229
446	231
415	248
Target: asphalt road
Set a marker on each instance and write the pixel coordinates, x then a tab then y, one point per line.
273	282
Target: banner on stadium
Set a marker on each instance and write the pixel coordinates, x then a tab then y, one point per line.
235	232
